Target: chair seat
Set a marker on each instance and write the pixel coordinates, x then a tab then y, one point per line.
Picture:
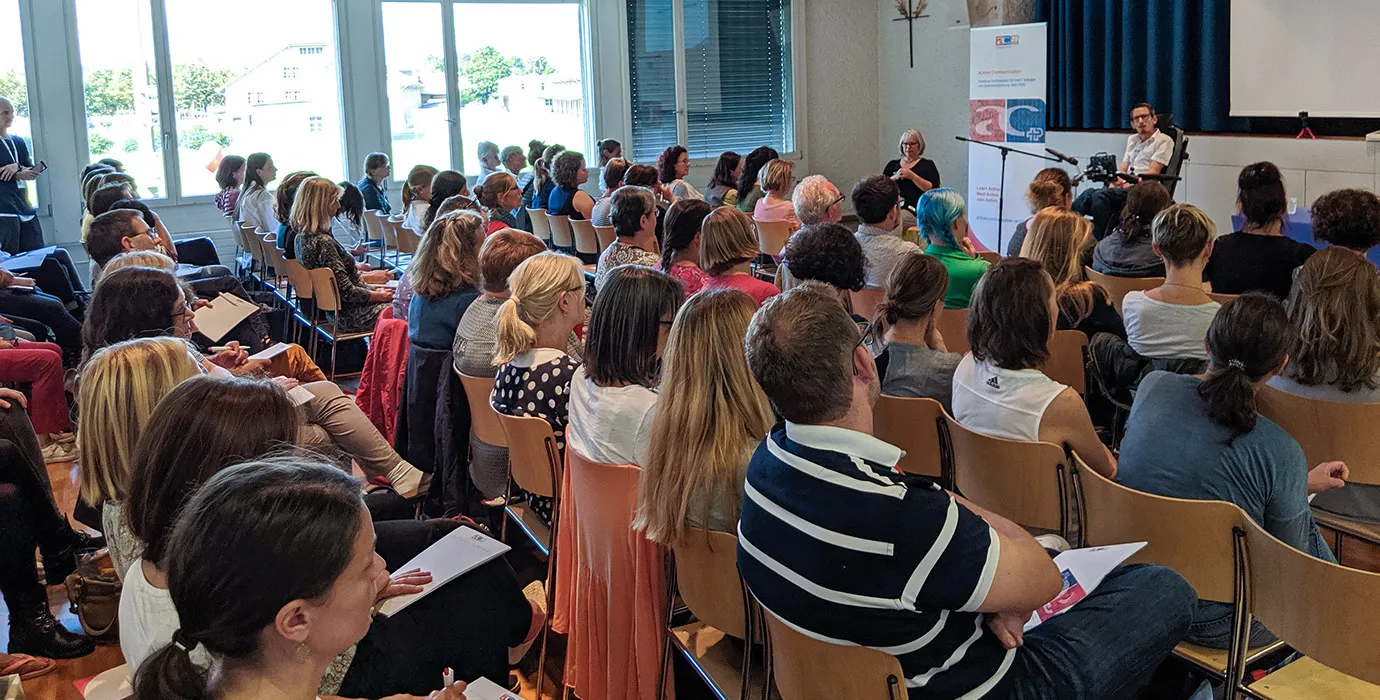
1215	660
1306	679
327	331
717	658
531	525
1365	531
591	269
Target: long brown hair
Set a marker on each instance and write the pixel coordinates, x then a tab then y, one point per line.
448	257
1057	237
711	416
1335	305
287	192
1048	189
914	285
416	177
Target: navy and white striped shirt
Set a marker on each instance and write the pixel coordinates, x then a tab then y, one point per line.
846	549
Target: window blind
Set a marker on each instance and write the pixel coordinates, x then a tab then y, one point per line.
652	72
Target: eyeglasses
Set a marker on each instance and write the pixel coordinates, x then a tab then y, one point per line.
864	338
1141	117
836	201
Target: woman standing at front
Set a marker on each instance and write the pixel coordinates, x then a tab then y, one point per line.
19	231
913	174
374	186
312	214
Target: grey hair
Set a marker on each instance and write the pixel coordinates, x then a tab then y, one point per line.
812	198
487	148
908	133
507	153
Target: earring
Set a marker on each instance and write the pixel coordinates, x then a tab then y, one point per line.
302	654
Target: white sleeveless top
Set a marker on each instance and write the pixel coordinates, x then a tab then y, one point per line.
1002	402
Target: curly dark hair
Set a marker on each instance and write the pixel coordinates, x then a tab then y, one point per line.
827	253
1349	218
666	164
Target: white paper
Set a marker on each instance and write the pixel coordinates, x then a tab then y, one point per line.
29	260
224	313
462	550
484	689
114	684
300	395
270	352
1082	570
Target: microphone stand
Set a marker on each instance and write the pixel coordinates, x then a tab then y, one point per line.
1001	190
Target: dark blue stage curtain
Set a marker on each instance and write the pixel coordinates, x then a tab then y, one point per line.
1106	55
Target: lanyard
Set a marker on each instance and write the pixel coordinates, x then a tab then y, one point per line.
11	149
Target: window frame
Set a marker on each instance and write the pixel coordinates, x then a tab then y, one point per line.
797	86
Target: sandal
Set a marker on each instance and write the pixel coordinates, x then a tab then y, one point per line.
28	667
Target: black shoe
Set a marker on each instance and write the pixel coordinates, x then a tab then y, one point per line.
58	563
34	631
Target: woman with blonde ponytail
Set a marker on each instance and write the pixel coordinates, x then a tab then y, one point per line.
920	365
546	303
416	197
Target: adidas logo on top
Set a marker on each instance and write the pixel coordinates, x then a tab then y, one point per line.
992	382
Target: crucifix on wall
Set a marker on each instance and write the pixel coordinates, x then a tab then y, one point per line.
911	10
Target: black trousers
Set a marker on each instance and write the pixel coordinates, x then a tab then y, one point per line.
29	517
51	312
20	236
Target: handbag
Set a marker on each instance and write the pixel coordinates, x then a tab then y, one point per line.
93	593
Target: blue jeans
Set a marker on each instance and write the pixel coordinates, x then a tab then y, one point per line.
1109	644
1212	627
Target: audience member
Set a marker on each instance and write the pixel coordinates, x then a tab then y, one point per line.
39	364
612	396
499	196
920	364
817	201
1050	188
230	178
999	389
351	214
942	220
567	199
513	160
876	202
710	419
45	312
723	184
544	183
956	625
914	174
416	197
610	179
680	250
827	253
673	166
1222	449
445	279
1058	235
609	150
488	161
1171	320
646	176
282	210
634	222
1348	218
749	190
255	203
528	181
445	185
728	245
1335	307
374	184
360	304
115	232
777	178
1127	250
206	250
1259	257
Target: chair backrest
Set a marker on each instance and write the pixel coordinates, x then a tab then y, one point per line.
541	227
324	287
1328	430
708	581
1222	298
808	669
1118	287
408	240
536	462
913	425
253	244
562	236
1195	538
772	236
606	236
1324	610
953	325
990	256
1024	481
236	231
866	301
1066	360
389	226
1177	156
586	239
372	229
484	421
299	278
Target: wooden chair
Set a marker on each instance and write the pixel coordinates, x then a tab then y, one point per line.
327	298
241	248
249	235
772	237
484	421
586	238
915	425
408	240
953	325
866	300
706	575
606	236
389	225
808	669
1202	540
1222	298
1067	360
562	235
541	227
1027	482
1118	287
1325	611
373	231
303	309
990	256
536	467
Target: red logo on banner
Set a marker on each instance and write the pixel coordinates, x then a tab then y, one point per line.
986	119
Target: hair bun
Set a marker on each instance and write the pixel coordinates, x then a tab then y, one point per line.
1259	175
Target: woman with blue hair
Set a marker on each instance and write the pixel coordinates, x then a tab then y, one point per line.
940	214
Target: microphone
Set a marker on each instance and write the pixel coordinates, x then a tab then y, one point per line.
1064	157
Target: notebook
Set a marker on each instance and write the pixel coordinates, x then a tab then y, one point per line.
1082	569
462	550
485	689
224	313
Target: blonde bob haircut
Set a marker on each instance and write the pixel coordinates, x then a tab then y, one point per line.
911	134
537	285
727	239
1057	238
776	176
448	257
120	386
140	258
314	209
711	416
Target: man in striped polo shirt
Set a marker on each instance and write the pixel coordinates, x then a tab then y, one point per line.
841	546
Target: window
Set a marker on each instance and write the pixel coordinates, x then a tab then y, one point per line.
415	63
14	85
227	92
123	118
737	89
